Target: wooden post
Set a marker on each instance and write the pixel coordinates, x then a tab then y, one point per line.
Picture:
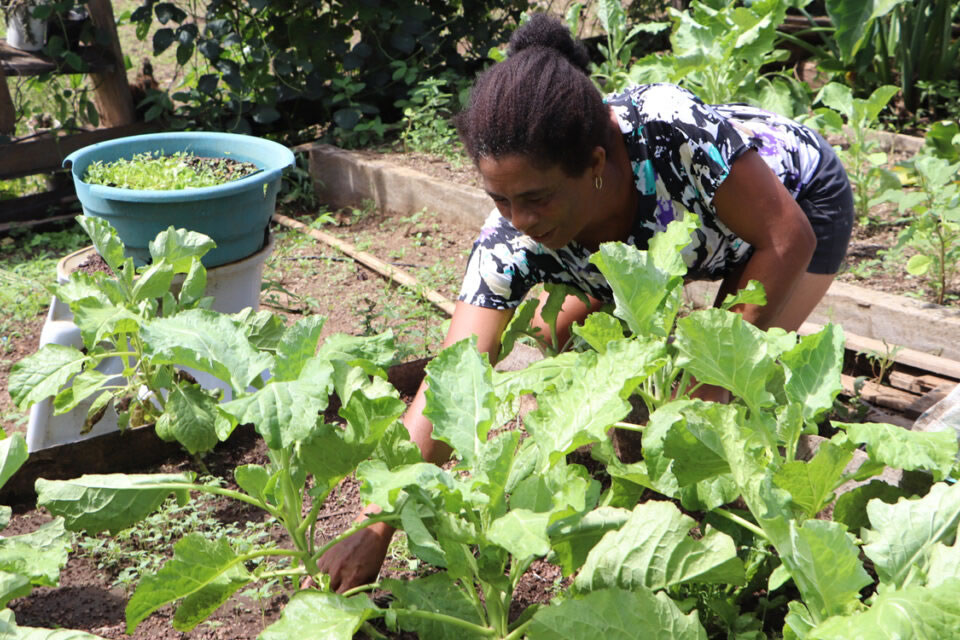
8	120
112	97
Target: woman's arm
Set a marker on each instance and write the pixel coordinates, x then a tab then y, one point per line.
468	320
754	204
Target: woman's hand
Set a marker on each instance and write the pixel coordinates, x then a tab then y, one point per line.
356	560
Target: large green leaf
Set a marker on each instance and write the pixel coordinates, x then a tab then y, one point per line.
639	286
917	613
312	615
721	348
9	630
538	377
13	453
654	550
521	532
811	484
901	448
297	345
615	614
105	239
98	320
382	486
179	246
191	418
598	329
12	585
902	535
203	573
207	341
812	371
852	20
82	386
436	593
334	452
825	564
282	412
153	282
98	502
594	400
38	555
42	374
573	537
851	507
379	349
460	399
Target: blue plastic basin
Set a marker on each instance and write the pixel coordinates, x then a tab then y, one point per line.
235	214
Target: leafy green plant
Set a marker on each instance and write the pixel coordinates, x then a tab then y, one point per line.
282	67
114	313
155	170
881	360
520	324
719	54
886	41
862	158
426	120
934	229
30	559
612	74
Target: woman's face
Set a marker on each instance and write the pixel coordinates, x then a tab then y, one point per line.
545	204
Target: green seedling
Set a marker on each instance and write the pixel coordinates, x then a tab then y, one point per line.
934	229
864	161
156	171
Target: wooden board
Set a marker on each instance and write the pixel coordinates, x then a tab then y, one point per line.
8	115
911	405
911	357
39	206
46	153
31	63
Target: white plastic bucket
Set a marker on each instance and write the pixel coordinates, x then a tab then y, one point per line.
25	32
234	286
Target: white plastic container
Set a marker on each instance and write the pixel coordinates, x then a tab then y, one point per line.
25	32
234	286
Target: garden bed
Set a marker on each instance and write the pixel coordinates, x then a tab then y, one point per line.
302	277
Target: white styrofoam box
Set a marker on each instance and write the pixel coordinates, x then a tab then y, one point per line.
234	286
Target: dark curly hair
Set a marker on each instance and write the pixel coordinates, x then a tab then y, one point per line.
539	102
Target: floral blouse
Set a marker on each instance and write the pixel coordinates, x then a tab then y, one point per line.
681	150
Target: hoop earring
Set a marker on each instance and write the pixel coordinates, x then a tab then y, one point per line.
598	182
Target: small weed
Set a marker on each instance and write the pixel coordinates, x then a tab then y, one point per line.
399	554
881	361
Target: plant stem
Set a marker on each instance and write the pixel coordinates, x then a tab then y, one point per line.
360	589
629	425
445	619
227	493
517	633
743	522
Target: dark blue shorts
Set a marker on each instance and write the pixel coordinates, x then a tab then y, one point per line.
828	203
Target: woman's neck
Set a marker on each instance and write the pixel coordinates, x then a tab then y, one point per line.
617	200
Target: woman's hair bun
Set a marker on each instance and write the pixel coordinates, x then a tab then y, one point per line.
546	31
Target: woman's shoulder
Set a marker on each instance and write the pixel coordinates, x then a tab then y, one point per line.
665	103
